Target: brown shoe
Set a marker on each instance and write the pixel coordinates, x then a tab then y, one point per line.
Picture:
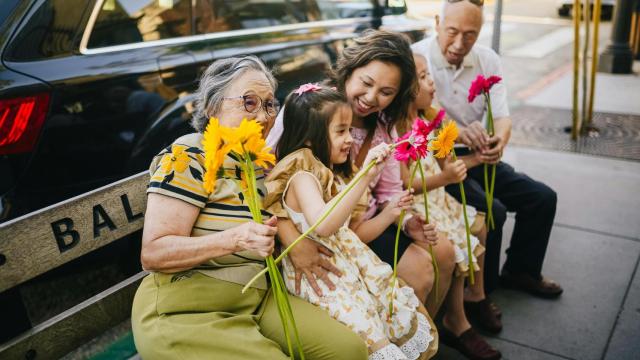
544	288
484	313
470	344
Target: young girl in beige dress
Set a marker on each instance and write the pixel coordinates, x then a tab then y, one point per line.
313	149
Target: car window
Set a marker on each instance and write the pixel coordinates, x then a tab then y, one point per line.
129	21
6	7
50	31
339	9
223	15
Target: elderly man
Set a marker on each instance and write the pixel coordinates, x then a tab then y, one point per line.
455	60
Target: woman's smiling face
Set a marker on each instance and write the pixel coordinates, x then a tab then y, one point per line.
371	88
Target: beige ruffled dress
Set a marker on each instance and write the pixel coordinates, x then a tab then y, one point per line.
362	294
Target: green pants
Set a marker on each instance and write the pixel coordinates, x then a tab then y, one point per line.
193	316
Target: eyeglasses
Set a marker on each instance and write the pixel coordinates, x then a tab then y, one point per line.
475	2
253	104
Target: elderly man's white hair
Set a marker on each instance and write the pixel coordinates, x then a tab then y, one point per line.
445	3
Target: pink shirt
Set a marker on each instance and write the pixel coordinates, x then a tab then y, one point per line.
389	181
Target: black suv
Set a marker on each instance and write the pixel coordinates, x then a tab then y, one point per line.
90	90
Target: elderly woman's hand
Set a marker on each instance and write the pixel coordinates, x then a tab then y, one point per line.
255	237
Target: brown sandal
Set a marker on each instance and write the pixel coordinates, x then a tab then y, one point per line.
470	344
484	313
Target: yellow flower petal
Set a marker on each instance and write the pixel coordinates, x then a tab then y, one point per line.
214	153
443	143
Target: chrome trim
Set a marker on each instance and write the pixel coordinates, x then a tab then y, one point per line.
211	36
92	21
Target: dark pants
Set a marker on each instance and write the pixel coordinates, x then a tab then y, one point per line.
535	206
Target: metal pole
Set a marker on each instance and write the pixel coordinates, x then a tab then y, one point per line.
585	59
618	58
576	65
497	24
594	61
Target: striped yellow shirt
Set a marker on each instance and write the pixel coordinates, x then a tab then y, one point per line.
177	171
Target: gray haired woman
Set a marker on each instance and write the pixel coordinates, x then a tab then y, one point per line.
201	248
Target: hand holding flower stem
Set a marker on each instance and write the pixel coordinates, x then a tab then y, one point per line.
482	85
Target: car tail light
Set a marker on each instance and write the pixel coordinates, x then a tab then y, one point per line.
20	122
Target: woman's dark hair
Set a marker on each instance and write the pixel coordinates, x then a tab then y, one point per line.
387	47
306	119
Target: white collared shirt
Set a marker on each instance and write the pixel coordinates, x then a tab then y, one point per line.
452	84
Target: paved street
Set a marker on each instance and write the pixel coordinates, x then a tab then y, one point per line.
594	249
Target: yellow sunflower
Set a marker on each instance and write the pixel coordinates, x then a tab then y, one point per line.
259	152
443	144
177	160
248	138
214	153
237	137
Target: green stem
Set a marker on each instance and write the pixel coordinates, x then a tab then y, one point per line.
466	225
289	311
489	188
277	296
279	291
436	271
493	183
395	249
487	193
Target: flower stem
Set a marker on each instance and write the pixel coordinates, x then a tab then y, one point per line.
493	183
279	291
489	188
395	249
436	271
466	225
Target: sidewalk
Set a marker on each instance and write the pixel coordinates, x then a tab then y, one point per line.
594	248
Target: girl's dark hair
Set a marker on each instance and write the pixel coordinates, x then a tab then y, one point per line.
387	47
306	119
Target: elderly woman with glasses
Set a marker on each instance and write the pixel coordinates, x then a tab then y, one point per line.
201	248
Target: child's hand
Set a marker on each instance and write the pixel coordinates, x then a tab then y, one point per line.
454	171
379	153
401	201
423	234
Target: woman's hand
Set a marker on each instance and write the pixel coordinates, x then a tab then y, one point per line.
400	201
255	237
454	171
309	259
420	232
379	153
